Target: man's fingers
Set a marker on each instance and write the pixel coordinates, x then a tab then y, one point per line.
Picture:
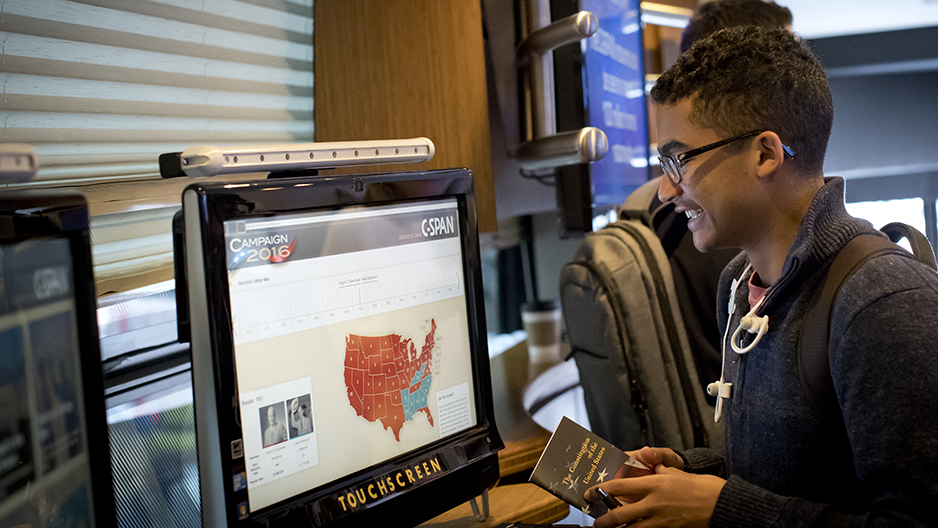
652	456
632	489
625	514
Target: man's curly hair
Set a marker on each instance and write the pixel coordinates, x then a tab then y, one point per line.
719	14
754	78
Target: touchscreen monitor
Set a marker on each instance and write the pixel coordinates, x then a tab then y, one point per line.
346	346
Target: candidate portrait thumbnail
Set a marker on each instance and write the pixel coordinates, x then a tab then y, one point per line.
273	418
301	416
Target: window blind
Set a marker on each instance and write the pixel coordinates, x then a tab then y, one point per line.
100	88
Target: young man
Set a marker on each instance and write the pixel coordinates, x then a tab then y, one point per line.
743	122
695	274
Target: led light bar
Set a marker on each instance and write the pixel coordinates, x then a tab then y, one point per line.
207	160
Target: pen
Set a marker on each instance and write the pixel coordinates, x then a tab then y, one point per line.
610	501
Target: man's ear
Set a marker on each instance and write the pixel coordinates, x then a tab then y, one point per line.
771	153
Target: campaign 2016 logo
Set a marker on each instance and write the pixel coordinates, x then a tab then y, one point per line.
269	248
441	225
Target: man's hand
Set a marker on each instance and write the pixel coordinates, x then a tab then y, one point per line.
669	497
650	457
655	456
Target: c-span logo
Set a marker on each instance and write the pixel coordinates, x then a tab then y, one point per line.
441	225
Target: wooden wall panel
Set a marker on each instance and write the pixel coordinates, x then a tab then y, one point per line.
406	68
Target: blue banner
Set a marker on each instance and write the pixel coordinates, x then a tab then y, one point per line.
615	98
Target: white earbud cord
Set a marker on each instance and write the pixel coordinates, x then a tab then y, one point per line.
721	389
721	386
752	324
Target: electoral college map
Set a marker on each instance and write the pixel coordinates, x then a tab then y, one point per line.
386	380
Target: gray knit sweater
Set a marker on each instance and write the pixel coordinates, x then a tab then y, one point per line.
878	466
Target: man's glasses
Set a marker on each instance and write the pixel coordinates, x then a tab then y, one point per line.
672	163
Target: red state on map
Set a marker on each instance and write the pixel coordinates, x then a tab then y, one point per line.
381	378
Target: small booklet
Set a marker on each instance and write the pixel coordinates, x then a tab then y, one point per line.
574	460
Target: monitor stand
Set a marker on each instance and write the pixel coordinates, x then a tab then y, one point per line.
484	514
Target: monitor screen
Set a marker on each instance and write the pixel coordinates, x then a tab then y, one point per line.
349	338
54	466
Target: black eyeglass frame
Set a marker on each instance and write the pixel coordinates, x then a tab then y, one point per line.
672	164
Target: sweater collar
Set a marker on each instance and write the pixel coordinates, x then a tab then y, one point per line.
824	231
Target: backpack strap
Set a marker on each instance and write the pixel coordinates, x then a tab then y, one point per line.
896	231
640	199
643	205
813	356
670	227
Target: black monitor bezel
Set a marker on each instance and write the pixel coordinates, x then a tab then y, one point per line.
219	202
30	214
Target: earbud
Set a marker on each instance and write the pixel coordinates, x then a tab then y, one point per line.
721	389
753	323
